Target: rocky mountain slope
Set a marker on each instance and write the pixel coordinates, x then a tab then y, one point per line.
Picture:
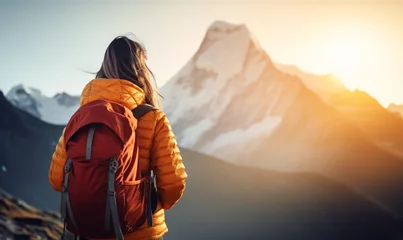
18	220
381	125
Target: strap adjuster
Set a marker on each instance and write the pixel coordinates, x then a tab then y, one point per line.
67	166
113	166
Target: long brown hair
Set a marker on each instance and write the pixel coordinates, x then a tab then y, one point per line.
126	59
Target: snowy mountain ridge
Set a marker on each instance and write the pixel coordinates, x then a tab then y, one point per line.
56	110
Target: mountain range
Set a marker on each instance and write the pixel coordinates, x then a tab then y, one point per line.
297	155
382	126
56	110
222	200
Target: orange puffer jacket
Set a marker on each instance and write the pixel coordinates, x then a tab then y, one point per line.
158	150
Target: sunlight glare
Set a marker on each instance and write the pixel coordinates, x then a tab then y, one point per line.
348	54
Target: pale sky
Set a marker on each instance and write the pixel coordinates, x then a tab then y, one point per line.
48	44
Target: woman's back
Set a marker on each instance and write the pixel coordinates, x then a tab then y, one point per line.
158	150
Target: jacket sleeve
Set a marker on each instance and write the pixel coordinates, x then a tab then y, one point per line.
56	170
167	164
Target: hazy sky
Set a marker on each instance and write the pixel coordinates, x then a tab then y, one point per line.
48	44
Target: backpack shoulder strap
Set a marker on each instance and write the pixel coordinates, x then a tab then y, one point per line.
138	112
142	109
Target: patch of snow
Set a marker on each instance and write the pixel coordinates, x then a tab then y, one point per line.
220	29
219	103
174	92
192	134
227	55
52	112
183	100
254	69
66	100
236	138
221	26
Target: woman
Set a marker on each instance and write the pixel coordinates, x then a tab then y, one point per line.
125	78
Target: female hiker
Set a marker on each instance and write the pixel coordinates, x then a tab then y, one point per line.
111	151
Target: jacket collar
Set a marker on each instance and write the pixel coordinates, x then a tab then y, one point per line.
116	90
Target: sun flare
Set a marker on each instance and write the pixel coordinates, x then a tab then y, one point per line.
348	54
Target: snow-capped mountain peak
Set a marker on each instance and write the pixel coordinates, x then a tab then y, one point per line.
66	100
25	98
55	110
228	45
229	76
21	92
220	29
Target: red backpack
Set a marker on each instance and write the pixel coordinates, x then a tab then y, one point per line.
104	193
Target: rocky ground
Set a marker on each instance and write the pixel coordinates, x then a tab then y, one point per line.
20	221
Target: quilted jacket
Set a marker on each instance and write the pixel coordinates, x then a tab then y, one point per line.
158	150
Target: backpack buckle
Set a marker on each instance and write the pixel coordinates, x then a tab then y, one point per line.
67	166
113	166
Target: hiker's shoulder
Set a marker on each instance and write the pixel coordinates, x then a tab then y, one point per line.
154	115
